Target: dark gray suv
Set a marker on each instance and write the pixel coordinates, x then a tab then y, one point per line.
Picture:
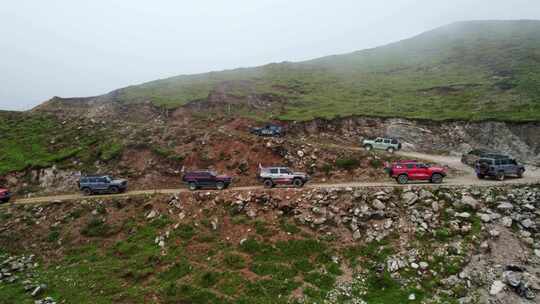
101	184
498	166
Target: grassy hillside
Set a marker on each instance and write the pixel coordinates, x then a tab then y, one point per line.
33	140
470	70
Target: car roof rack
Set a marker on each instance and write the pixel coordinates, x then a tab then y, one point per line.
495	156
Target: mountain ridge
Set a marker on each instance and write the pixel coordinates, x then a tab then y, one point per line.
468	70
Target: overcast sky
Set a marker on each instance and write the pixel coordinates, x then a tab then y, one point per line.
81	48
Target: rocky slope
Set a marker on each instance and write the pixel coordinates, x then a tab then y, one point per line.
444	245
520	140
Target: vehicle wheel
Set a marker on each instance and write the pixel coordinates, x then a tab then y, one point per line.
500	176
220	185
114	190
480	176
268	183
436	178
368	147
298	183
390	150
192	186
520	173
87	191
403	179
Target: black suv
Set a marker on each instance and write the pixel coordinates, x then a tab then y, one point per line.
498	166
93	184
268	130
206	179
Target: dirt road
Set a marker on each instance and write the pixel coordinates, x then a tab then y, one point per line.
532	176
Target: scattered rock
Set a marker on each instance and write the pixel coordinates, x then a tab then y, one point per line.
496	287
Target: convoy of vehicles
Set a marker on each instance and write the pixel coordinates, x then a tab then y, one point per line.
486	164
5	195
206	179
97	184
380	143
273	176
405	171
498	166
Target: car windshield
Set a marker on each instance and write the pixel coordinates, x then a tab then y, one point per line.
108	178
213	173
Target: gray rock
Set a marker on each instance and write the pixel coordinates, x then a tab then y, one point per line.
409	198
484	217
504	206
463	215
424	194
506	221
496	287
512	278
470	201
527	223
377	204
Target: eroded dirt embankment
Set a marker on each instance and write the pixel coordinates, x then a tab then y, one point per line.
521	140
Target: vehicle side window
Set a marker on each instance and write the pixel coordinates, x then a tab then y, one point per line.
378	140
93	180
394	141
273	171
410	166
498	162
513	162
102	180
284	171
387	141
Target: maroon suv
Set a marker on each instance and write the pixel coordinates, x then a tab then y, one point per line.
5	195
206	179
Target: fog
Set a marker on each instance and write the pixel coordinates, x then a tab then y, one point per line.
83	48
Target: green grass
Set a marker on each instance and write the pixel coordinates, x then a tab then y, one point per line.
123	264
34	140
472	71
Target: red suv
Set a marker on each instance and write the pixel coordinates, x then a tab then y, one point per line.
403	171
5	195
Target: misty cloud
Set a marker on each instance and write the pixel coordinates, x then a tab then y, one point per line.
76	48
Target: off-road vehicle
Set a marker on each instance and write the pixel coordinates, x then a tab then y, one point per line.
380	143
498	166
5	195
268	130
473	156
403	172
94	184
272	176
206	179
